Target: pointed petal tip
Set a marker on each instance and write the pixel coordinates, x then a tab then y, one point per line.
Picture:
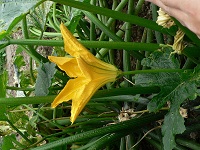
73	119
54	105
51	58
61	24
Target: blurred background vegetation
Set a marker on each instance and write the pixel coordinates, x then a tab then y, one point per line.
156	109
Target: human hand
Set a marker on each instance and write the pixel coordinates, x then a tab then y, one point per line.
187	12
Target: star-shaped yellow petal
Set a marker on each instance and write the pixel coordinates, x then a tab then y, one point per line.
87	73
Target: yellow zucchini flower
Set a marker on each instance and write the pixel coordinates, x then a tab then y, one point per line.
87	74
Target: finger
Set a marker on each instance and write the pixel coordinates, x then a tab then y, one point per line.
184	5
174	12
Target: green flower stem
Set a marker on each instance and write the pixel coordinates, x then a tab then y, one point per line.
55	20
111	20
92	30
149	39
139	6
108	32
51	23
188	143
154	71
30	50
114	14
129	46
103	51
143	40
126	91
102	26
101	93
27	100
45	34
31	70
127	38
84	28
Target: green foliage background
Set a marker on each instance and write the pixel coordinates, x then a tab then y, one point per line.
141	110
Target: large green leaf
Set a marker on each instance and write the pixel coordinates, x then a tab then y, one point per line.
43	81
11	12
175	87
173	124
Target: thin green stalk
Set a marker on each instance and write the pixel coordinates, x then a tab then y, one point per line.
18	131
27	100
103	51
114	5
143	40
188	143
111	20
131	140
123	144
65	10
92	29
102	26
44	118
44	34
55	20
112	28
3	45
148	40
52	25
31	51
108	32
80	32
154	71
101	93
114	14
126	91
129	46
127	38
31	70
139	6
101	17
84	28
